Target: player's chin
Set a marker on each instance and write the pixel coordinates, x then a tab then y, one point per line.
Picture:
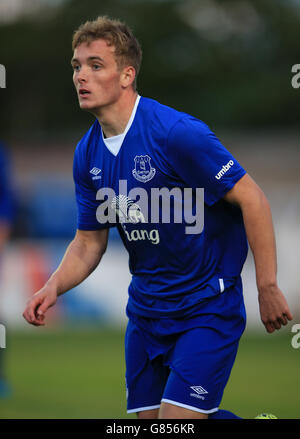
86	103
85	106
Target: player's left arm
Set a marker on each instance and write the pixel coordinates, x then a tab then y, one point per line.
274	310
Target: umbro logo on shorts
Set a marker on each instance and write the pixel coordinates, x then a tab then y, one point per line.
199	392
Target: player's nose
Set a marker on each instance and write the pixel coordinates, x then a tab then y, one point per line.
82	75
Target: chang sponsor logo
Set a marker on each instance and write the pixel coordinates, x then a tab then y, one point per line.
143	235
129	212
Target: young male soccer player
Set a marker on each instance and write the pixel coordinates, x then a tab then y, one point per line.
185	308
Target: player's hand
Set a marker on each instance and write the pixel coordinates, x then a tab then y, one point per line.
38	304
274	310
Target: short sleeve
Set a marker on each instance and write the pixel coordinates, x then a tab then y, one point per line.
200	160
85	192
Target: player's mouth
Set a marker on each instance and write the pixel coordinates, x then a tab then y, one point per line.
83	92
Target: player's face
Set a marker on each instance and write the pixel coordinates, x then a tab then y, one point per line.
96	76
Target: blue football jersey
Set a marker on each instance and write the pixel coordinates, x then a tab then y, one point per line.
162	183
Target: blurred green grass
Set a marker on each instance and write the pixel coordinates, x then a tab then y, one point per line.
79	373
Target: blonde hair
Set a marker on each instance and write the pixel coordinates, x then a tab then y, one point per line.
128	51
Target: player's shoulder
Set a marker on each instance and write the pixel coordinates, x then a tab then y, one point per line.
169	120
162	116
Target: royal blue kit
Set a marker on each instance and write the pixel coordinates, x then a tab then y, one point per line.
162	183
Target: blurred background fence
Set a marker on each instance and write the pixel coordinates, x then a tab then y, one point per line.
228	63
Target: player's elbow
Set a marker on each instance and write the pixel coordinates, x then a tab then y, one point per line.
256	199
91	242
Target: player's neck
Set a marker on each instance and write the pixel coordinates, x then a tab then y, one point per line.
114	119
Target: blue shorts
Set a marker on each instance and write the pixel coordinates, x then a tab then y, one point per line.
185	362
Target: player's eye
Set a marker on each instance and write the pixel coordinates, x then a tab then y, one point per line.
96	67
76	67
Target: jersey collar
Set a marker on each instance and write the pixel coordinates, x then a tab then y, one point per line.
114	143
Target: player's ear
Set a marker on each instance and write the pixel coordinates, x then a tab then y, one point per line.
127	76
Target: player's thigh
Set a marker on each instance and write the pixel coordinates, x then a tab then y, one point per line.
200	365
145	377
148	414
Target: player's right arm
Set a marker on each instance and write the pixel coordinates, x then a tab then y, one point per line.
80	260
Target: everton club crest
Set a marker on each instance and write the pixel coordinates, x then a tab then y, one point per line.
143	170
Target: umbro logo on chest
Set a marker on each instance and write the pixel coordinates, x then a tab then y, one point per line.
96	172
